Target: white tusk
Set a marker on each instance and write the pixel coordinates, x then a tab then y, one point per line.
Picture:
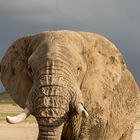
19	118
81	111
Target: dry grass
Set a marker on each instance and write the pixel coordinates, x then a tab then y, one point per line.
6	99
9	108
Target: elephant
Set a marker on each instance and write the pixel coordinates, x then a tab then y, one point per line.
76	84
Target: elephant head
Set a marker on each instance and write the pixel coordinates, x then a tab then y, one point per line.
43	73
56	75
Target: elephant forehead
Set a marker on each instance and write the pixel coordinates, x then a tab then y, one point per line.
61	54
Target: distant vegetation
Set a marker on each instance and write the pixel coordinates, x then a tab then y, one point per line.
6	99
9	108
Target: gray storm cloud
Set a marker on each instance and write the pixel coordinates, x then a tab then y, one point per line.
118	20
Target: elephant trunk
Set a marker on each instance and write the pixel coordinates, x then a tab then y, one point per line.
50	110
50	132
51	100
56	95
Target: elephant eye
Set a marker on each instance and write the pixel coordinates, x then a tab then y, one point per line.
79	68
29	69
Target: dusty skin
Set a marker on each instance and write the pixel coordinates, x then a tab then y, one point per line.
29	131
76	84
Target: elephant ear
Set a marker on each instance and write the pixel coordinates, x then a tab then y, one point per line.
104	70
109	90
14	68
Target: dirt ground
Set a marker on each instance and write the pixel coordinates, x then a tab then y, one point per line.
22	131
28	130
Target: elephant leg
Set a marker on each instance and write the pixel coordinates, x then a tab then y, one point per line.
128	134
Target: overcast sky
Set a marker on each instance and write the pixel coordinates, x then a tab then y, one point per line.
118	20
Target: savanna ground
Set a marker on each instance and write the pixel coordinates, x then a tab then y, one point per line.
28	130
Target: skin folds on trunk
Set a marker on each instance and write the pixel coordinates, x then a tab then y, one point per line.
46	133
51	100
50	112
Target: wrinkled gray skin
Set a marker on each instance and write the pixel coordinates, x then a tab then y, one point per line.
56	89
51	72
